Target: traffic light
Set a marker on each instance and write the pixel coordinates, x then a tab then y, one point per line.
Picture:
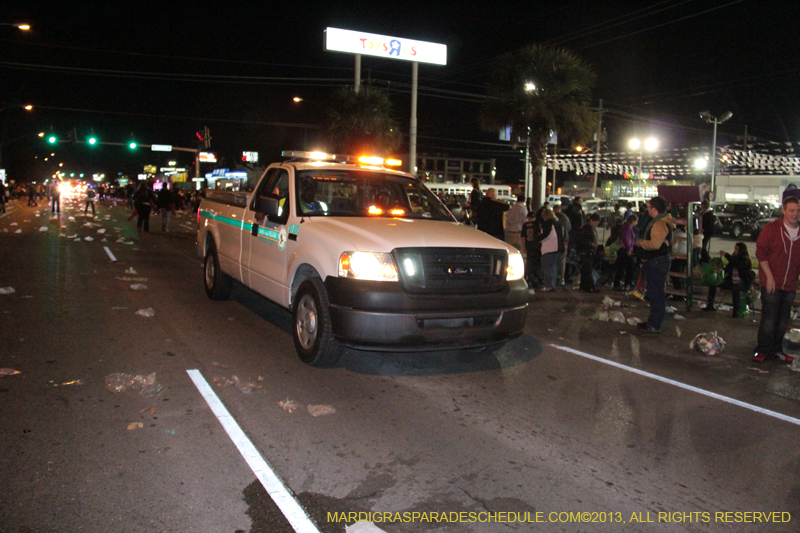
92	140
52	139
132	145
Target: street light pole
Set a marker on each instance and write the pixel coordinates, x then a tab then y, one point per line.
707	117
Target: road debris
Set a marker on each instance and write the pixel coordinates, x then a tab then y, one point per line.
289	405
135	425
7	290
320	410
146	385
8	372
221	382
245	386
709	343
759	370
147	313
138	287
73	382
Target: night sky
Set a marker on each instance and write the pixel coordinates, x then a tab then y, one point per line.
159	72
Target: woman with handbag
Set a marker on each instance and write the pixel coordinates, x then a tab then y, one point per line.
738	276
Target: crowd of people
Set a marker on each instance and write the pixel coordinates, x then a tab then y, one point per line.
643	251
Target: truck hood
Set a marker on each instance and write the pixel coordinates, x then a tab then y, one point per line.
386	234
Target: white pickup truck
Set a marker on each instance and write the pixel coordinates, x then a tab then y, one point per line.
363	256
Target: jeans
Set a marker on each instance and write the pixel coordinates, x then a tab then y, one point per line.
56	201
86	209
736	290
550	269
587	275
655	274
626	267
776	309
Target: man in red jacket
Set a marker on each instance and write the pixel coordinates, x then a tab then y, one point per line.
778	253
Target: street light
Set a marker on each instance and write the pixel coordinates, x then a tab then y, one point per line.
650	144
710	119
23	27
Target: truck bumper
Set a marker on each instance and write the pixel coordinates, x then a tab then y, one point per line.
381	316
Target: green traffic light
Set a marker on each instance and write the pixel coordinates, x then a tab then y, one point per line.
92	140
52	139
132	146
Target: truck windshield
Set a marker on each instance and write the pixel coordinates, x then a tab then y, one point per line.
353	193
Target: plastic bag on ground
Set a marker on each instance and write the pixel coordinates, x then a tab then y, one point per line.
146	385
7	290
709	343
603	316
617	316
148	313
138	287
8	372
633	321
320	410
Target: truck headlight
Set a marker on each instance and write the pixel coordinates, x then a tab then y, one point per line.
516	267
372	266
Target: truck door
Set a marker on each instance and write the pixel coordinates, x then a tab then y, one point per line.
265	259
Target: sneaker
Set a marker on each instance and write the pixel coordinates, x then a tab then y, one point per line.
709	308
645	328
785	357
760	357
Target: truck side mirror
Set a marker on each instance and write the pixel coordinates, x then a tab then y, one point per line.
268	206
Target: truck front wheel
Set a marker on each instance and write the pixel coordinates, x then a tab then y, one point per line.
311	325
217	283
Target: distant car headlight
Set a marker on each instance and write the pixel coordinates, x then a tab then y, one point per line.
516	267
372	266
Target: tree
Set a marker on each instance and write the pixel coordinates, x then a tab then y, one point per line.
536	91
362	122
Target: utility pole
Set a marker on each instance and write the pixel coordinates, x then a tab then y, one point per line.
597	148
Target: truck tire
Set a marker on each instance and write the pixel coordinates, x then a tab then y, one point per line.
217	283
736	231
311	325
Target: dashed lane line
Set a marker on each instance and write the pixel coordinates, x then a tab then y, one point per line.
295	514
710	394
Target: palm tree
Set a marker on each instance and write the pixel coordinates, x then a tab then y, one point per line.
362	122
536	91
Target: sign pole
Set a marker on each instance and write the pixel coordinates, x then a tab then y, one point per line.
412	133
358	73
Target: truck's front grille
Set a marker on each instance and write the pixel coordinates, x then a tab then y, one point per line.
451	270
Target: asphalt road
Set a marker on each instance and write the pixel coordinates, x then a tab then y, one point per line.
537	427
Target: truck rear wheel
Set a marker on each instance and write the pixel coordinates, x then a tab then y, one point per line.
311	325
217	283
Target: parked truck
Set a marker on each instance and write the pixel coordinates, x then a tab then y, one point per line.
363	256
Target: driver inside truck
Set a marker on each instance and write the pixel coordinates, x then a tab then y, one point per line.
308	201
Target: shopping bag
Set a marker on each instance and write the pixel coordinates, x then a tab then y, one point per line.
712	273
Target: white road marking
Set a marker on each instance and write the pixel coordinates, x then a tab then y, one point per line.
109	253
295	514
714	395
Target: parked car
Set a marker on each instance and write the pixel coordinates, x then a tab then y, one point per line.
742	218
777	212
559	199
